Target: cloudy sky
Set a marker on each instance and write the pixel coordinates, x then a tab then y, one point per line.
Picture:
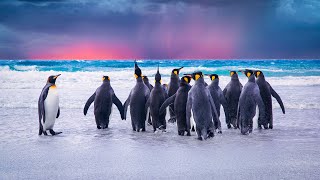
159	29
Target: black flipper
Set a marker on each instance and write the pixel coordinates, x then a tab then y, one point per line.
275	95
125	106
89	101
166	103
225	107
41	109
58	114
118	103
261	107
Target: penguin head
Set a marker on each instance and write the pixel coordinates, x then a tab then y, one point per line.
233	74
52	79
137	70
196	75
176	71
247	72
105	78
157	77
145	79
258	73
186	79
213	77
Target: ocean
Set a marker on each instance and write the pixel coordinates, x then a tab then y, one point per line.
289	151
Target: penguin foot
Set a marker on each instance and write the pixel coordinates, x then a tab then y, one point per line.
181	133
211	134
192	129
270	127
172	120
265	126
45	133
98	127
259	126
188	133
143	130
229	126
54	133
219	131
200	138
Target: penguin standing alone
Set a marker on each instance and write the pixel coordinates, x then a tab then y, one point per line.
218	99
173	87
48	107
266	91
179	100
103	98
157	97
202	106
137	100
249	98
232	94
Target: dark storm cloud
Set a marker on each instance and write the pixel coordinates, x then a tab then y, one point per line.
269	28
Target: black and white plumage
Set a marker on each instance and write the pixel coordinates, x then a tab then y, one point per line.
172	89
48	107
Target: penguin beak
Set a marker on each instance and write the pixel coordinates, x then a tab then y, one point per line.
57	76
180	68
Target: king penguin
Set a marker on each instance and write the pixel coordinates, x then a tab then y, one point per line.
202	106
218	98
146	82
249	99
266	91
103	99
172	89
179	100
157	97
232	94
137	100
48	107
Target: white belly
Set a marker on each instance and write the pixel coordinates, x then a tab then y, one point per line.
51	105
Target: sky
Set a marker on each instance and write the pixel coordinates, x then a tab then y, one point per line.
159	29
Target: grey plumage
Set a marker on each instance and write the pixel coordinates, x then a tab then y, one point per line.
202	106
232	94
103	99
137	100
172	89
218	99
249	99
266	91
179	100
157	97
